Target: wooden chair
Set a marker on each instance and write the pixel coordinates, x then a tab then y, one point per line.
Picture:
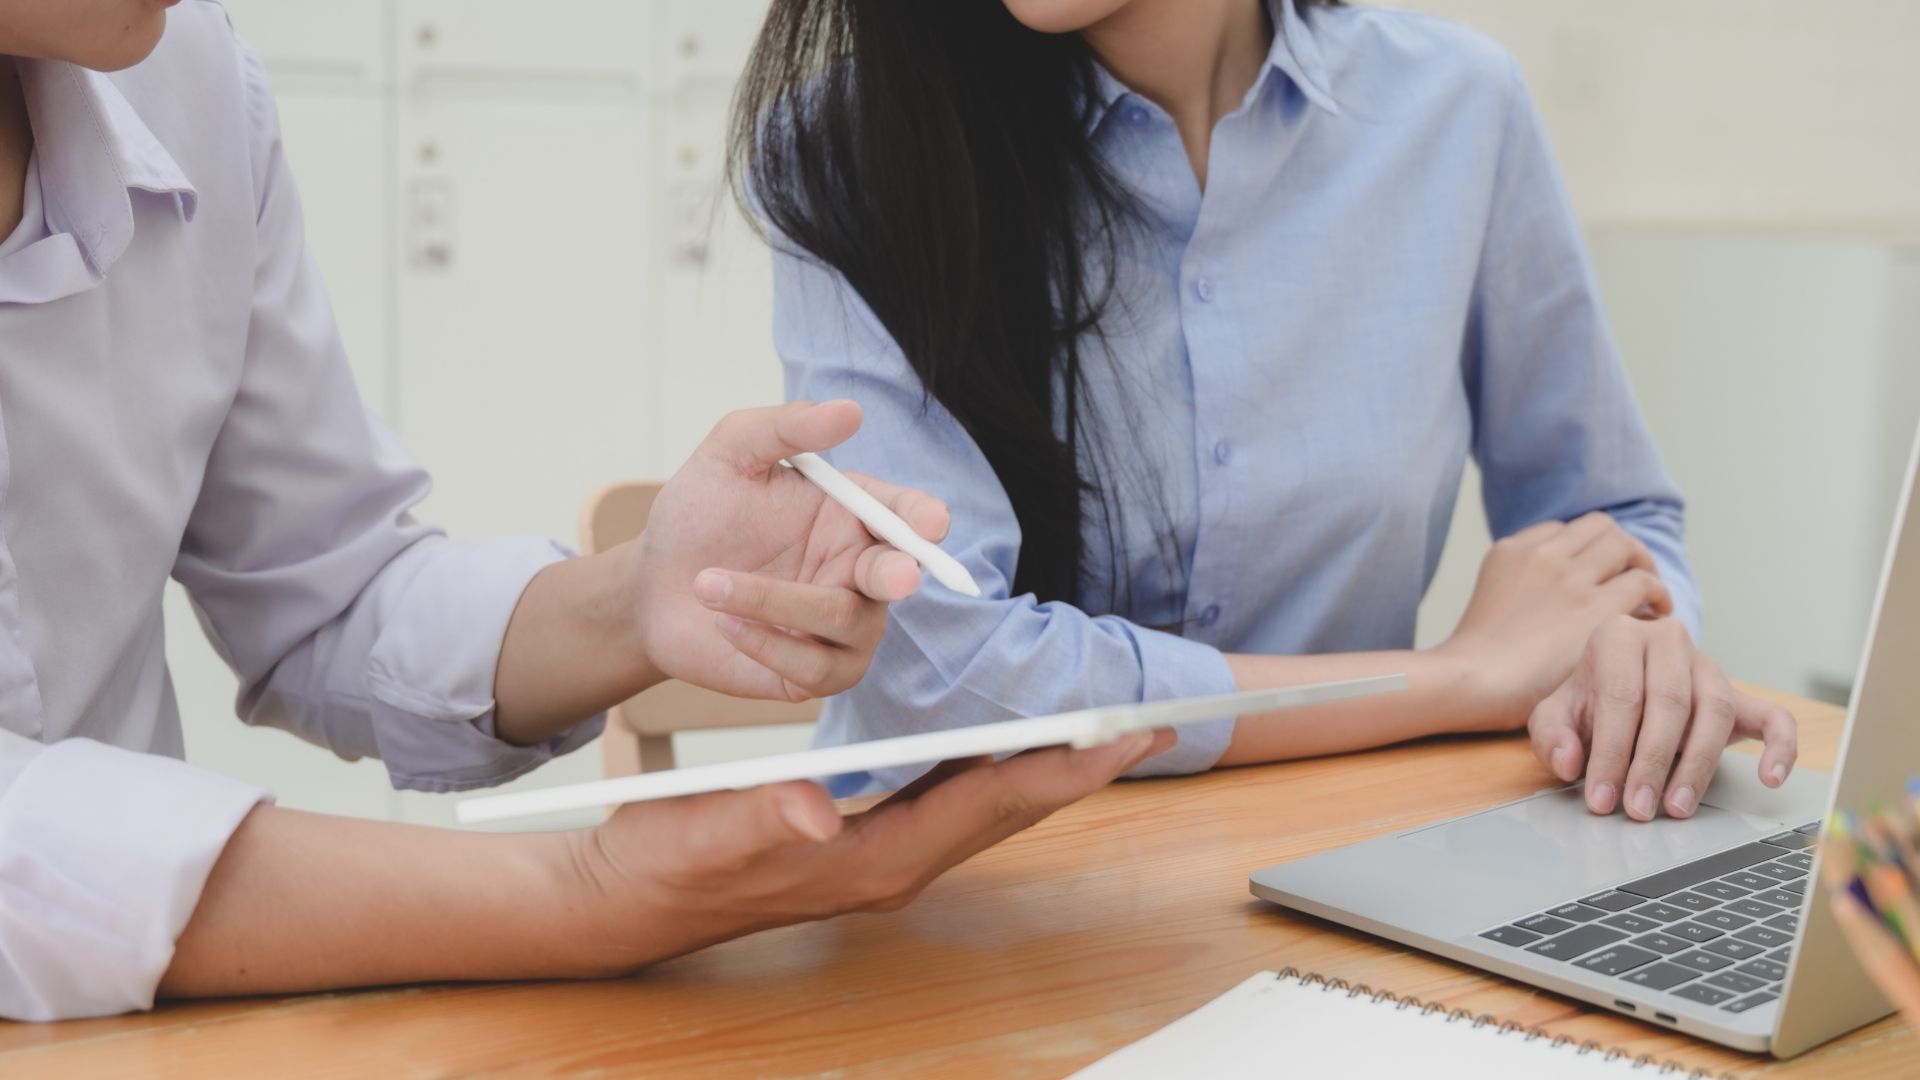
639	736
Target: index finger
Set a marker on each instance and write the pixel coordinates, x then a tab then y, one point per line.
753	441
1617	685
980	807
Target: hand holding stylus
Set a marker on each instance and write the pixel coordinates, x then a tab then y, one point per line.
752	581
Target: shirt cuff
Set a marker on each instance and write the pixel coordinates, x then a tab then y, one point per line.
431	669
103	853
1174	667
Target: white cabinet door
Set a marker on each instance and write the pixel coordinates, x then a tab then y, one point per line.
526	311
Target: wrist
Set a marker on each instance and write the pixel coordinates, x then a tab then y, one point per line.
623	594
1470	683
603	923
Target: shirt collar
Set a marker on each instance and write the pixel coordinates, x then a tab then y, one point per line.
94	150
1294	54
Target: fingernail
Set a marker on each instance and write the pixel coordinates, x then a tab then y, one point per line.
1643	803
712	587
1683	799
728	624
1139	744
1600	799
1779	772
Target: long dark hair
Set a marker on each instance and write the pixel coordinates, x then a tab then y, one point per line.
938	155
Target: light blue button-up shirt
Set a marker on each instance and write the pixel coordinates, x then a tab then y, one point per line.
1383	275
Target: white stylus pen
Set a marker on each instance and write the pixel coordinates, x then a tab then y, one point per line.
885	524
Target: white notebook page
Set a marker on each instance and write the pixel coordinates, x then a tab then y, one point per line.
1272	1026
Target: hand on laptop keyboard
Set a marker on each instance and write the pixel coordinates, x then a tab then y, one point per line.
1645	715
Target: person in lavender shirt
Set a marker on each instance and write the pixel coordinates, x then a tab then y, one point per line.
1195	310
174	401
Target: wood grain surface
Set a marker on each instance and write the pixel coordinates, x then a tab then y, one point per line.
1107	921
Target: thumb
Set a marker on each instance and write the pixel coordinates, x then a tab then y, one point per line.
754	440
1555	732
732	827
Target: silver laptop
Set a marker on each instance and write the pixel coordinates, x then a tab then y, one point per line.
1703	925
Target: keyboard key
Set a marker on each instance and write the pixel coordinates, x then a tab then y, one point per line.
1616	959
1793	840
1702	993
1736	982
1752	909
1661	943
1746	1003
1511	935
1770	970
1614	901
1764	937
1663	912
1724	862
1803	860
1788	922
1703	961
1788	900
1731	948
1631	923
1692	901
1544	924
1693	931
1782	955
1577	912
1811	828
1797	888
1720	890
1750	881
1722	920
1661	976
1584	940
1775	870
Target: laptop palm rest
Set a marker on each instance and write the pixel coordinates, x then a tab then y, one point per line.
1552	838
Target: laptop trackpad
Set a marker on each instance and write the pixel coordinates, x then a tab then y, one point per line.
1552	837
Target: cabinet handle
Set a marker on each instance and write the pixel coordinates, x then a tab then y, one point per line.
430	223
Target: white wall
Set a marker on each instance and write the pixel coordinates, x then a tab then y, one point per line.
1789	128
511	204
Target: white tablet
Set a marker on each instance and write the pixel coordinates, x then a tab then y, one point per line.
1087	727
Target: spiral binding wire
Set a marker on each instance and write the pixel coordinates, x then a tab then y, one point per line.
1402	1002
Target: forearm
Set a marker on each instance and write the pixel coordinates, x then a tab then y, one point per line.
573	647
302	902
1440	698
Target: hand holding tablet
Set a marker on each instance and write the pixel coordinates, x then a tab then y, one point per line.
1085	728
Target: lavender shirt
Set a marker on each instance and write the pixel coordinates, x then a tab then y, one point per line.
174	400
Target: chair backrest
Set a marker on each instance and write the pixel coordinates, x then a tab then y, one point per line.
640	730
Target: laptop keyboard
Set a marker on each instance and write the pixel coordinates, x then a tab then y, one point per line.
1716	931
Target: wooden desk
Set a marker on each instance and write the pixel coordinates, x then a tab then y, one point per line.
1102	924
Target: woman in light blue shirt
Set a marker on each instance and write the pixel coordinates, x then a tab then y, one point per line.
1193	311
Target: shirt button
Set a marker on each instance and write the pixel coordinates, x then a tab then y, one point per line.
1203	288
1222	452
1209	615
1137	114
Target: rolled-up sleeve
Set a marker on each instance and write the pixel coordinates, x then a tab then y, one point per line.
948	660
1557	432
103	855
349	623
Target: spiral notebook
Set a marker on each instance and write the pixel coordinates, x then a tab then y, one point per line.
1295	1024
